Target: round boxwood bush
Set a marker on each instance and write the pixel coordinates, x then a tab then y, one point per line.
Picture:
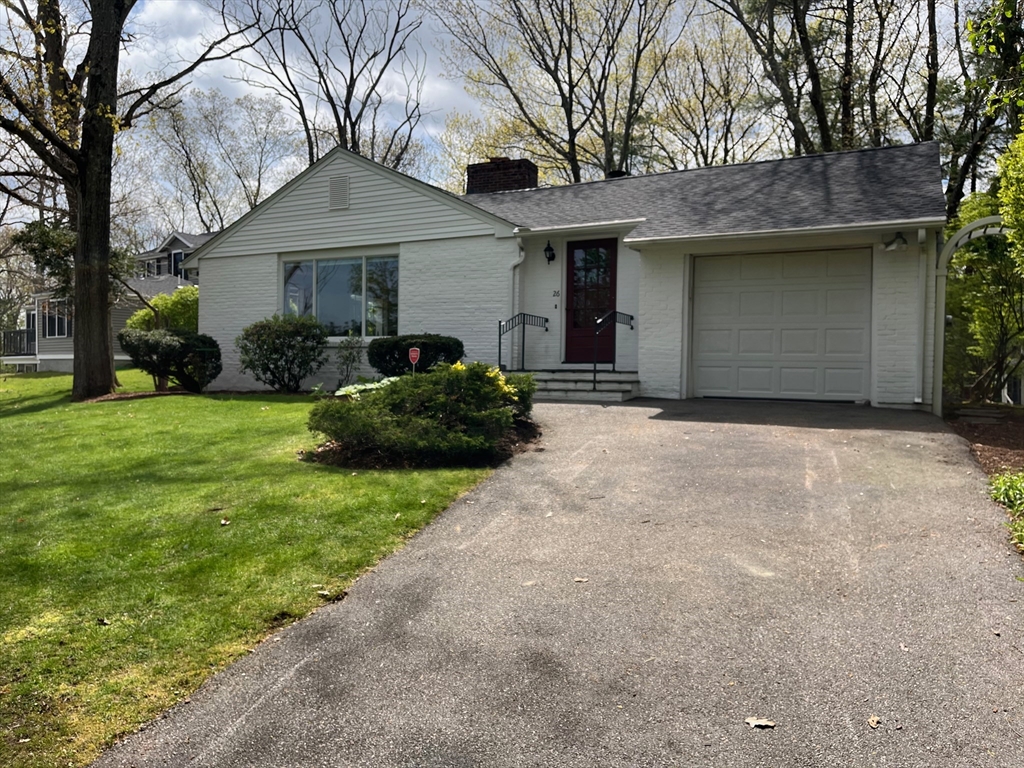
390	355
454	416
189	359
283	350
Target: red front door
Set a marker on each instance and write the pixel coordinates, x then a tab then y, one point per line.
590	295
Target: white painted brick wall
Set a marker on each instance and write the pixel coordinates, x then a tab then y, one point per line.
896	317
661	324
459	287
538	281
233	293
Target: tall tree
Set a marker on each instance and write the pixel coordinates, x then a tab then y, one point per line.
708	107
219	157
59	92
350	71
570	78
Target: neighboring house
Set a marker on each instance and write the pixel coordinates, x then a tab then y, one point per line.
166	258
46	342
809	278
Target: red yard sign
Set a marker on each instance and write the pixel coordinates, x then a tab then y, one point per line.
414	355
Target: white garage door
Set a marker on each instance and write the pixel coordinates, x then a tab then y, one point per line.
783	325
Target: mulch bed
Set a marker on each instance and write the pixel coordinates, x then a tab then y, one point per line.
998	447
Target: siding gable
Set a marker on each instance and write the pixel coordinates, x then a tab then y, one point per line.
382	207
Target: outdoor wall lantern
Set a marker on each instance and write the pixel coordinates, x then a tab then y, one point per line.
549	252
898	243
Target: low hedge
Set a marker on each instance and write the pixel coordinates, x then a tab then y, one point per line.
455	415
389	356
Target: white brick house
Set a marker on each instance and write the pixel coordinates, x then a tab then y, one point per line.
806	278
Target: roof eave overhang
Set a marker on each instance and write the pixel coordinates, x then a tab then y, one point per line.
863	228
619	226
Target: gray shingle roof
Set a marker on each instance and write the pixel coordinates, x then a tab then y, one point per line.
154	286
891	184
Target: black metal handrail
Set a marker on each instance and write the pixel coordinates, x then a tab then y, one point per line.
522	320
20	343
610	320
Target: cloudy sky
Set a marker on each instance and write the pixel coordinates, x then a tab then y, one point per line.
170	31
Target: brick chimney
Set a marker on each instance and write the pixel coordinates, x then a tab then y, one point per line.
499	174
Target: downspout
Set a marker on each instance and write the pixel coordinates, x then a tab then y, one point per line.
940	328
512	272
512	291
922	292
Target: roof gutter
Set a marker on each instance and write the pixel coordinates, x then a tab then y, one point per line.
755	234
623	225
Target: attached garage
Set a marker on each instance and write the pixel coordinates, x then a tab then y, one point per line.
783	325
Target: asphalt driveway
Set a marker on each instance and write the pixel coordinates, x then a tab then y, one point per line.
629	594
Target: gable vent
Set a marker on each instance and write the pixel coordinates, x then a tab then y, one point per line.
338	193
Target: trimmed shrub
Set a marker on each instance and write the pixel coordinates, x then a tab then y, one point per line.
178	311
283	350
389	356
192	360
455	415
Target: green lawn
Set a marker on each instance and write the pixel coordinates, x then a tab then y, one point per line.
121	588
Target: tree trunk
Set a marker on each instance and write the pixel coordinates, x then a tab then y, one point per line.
93	365
931	97
846	131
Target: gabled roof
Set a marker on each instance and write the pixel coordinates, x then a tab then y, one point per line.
434	193
890	185
190	241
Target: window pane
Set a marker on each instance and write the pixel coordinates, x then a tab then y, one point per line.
339	296
382	297
298	288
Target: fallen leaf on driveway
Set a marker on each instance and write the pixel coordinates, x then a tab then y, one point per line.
874	721
759	722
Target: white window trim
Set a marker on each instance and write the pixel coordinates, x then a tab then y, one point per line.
298	258
46	322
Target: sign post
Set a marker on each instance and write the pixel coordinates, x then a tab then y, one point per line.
414	357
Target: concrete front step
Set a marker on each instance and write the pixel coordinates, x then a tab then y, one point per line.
600	396
612	386
584	375
607	386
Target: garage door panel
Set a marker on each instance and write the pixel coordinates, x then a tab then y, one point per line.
845	381
794	325
757	304
756	341
713	341
714	305
847	264
724	269
717	380
755	380
799	382
796	266
847	302
846	341
798	341
760	267
799	303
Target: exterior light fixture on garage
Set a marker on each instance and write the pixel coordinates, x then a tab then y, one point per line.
898	243
549	252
